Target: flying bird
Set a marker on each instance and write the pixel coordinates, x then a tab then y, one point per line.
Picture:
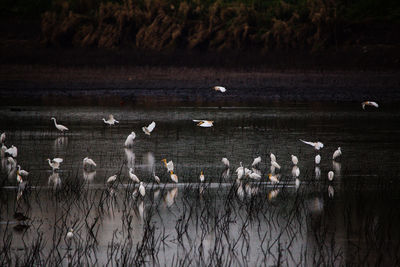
316	145
129	139
204	123
59	127
337	153
256	161
220	88
147	130
111	120
369	103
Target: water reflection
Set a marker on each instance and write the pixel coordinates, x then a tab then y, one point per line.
130	158
337	167
317	172
54	180
170	196
88	176
61	142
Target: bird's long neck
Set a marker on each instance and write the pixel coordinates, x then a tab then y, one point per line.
55	122
104	120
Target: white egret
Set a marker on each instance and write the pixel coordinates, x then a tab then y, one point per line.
204	123
272	156
111	121
220	88
22	172
111	179
133	177
169	165
142	190
295	160
70	234
240	171
147	130
129	139
369	103
254	170
156	178
88	163
273	194
225	161
201	177
55	163
273	178
255	176
275	164
3	150
2	138
256	161
317	159
272	169
59	127
12	151
317	145
295	171
337	153
174	177
330	175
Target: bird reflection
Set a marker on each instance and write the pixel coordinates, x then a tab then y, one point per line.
170	197
89	176
295	171
316	205
156	194
273	194
130	158
331	191
226	174
317	172
149	160
240	191
141	210
61	142
54	180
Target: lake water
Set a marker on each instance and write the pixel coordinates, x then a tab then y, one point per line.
349	221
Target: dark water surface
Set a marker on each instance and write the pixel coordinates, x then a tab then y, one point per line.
350	221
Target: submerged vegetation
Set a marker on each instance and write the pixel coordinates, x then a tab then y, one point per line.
218	25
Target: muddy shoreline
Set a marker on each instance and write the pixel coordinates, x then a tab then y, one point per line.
183	86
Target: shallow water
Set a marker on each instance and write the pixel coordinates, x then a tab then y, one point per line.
348	221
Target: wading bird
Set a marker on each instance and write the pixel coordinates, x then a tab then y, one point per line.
156	178
22	172
295	160
337	153
174	177
169	165
220	88
240	171
256	161
272	156
330	175
133	177
369	103
12	151
88	163
147	130
59	127
111	179
201	177
111	121
129	139
204	123
2	138
55	163
225	161
316	145
275	164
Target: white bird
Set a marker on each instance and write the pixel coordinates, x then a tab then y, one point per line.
59	127
240	171
273	178
3	150
272	156
220	88
142	190
2	138
22	172
70	234
88	163
201	177
369	103
111	179
204	123
316	145
256	161
247	172
174	177
55	163
273	194
295	160
317	159
330	175
255	176
12	151
129	139
240	191
169	165
111	120
337	153
275	164
133	177
225	161
147	130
